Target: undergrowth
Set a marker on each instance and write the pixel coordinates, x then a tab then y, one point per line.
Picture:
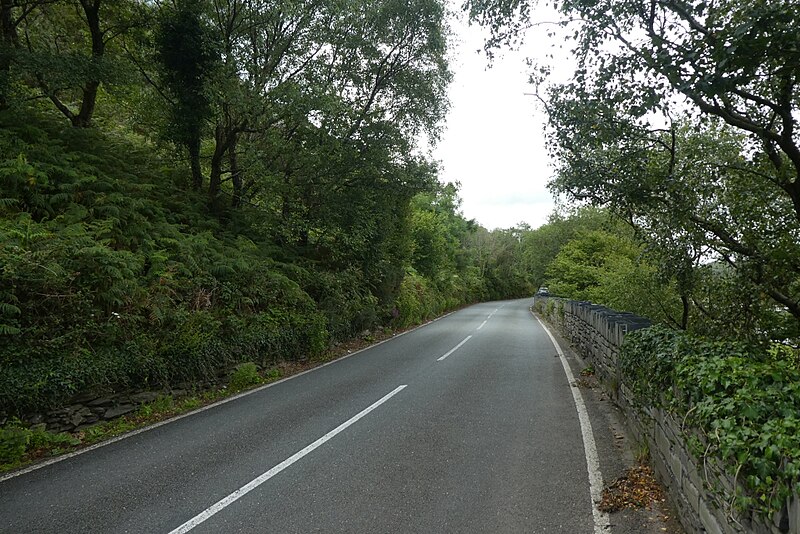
21	444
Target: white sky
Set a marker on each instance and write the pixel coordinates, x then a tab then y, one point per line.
494	138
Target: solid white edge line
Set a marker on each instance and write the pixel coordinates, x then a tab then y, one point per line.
256	482
451	351
132	433
601	520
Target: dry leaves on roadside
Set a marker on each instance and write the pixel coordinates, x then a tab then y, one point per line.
636	488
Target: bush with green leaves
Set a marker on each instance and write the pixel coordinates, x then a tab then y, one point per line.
17	440
244	376
739	403
417	300
114	278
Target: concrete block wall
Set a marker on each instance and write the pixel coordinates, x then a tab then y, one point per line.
597	333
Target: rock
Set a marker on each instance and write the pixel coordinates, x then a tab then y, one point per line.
177	393
116	411
34	419
90	420
83	398
80	416
144	397
101	401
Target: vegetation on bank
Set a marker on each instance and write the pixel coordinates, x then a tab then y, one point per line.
188	186
118	280
739	404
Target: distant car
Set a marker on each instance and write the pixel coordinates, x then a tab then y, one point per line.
543	292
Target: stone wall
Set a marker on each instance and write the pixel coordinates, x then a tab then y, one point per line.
87	410
597	333
90	409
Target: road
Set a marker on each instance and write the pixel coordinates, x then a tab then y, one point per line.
467	424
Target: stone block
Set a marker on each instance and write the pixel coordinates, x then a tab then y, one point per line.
709	520
662	443
144	397
101	401
676	466
79	416
793	514
117	411
691	493
662	471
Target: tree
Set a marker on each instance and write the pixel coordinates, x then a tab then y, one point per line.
681	118
9	40
540	246
188	61
63	49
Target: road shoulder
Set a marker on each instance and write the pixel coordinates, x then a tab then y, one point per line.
617	450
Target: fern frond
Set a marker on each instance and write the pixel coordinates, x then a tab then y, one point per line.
9	309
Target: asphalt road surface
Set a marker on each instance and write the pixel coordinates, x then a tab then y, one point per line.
467	424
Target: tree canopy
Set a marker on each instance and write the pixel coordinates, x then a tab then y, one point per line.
681	118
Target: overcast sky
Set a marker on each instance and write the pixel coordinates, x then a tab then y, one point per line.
493	142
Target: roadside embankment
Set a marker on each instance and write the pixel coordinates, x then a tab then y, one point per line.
720	422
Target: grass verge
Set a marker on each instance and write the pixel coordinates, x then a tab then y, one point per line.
21	445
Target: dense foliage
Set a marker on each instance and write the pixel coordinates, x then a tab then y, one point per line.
191	185
742	403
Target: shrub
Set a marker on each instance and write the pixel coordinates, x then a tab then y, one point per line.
17	440
13	443
417	301
244	376
738	403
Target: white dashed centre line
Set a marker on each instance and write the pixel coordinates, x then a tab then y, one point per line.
256	482
451	351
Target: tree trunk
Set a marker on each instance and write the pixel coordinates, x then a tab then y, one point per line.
215	177
224	138
194	163
236	176
83	118
685	314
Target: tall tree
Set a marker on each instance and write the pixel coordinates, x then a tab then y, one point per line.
188	59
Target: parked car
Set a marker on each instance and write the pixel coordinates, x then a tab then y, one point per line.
543	292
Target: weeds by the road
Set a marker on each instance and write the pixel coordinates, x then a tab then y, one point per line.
22	445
